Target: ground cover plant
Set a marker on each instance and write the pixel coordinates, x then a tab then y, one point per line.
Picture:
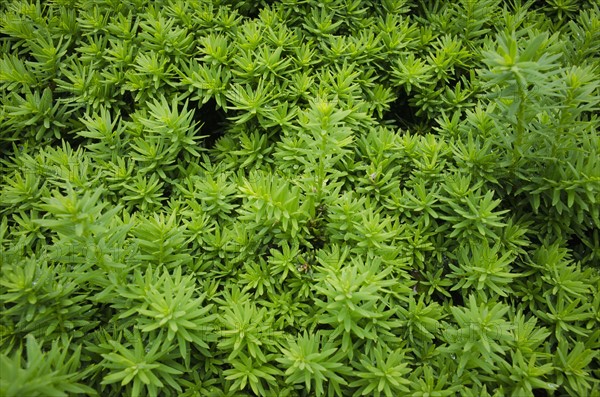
299	198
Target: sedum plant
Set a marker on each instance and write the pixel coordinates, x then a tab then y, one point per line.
298	198
44	373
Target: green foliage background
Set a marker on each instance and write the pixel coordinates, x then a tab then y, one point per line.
294	198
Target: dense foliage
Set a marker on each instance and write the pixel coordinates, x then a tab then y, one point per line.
299	197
